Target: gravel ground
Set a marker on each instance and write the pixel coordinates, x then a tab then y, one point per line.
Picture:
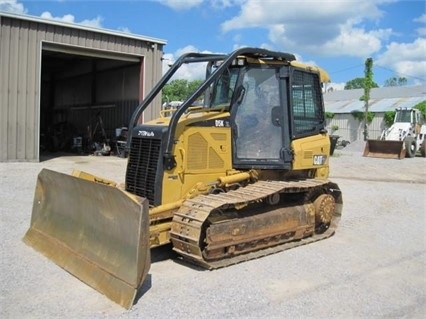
373	267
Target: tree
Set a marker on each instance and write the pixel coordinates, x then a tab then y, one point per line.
389	117
394	81
360	116
179	90
358	83
193	85
368	84
176	90
422	107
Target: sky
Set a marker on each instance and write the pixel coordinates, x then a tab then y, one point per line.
337	35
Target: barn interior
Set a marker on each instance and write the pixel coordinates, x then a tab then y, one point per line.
86	101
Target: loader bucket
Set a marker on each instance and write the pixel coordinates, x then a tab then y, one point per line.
384	149
98	233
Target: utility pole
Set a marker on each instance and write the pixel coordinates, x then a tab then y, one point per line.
368	83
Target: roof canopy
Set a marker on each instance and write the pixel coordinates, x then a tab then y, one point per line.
381	99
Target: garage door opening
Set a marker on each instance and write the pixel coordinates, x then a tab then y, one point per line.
86	101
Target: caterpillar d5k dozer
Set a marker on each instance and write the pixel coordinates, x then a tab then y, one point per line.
237	171
403	139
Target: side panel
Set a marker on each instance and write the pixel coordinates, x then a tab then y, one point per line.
202	155
312	152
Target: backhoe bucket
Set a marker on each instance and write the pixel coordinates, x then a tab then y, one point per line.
384	149
98	233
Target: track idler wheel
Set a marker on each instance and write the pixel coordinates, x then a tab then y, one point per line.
325	207
273	199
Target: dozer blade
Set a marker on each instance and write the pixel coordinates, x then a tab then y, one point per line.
384	149
98	233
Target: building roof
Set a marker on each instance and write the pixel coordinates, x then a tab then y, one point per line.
82	27
381	99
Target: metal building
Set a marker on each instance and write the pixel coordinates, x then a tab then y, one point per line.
342	103
60	80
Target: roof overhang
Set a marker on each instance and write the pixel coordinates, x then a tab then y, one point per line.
82	27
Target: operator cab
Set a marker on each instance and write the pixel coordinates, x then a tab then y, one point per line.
270	105
407	115
266	98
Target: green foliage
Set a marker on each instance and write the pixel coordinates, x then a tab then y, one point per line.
193	85
358	115
388	118
370	117
368	80
329	115
394	81
358	83
334	128
422	107
368	84
179	90
174	91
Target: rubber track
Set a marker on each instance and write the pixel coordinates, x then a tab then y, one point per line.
194	212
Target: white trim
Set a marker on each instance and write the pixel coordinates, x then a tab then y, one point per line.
37	132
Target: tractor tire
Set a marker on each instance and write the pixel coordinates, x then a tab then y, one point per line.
423	148
410	147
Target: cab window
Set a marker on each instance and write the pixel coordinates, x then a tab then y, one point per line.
306	103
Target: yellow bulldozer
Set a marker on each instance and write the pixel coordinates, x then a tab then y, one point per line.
237	171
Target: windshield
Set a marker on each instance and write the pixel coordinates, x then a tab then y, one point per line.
403	116
258	132
216	97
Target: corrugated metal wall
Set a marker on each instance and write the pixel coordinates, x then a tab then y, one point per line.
351	129
116	113
21	41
